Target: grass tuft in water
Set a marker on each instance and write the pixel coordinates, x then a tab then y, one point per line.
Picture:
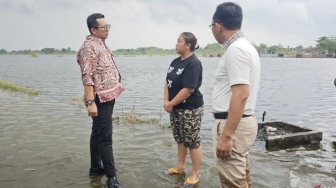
76	99
12	87
129	117
33	54
133	118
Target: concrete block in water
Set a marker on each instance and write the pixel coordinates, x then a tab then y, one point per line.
285	135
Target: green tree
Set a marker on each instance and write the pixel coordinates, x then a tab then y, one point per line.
27	51
48	50
212	49
321	39
3	51
298	49
327	45
274	49
262	48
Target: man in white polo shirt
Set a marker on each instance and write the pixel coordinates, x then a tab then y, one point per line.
234	97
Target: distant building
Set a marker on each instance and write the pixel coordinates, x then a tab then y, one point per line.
310	52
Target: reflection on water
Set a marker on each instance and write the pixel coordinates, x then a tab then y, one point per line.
44	140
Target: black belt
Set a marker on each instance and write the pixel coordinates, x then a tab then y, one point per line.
224	115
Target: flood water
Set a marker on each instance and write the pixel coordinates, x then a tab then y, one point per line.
44	140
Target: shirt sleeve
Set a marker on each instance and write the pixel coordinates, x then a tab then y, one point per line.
88	64
191	75
238	66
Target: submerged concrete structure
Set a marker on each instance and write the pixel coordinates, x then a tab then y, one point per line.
284	135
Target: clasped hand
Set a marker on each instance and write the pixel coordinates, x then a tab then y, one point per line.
167	106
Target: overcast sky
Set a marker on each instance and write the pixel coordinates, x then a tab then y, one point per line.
36	24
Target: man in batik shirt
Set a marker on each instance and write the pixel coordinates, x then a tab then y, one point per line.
102	85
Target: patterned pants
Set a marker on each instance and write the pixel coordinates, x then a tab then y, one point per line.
186	125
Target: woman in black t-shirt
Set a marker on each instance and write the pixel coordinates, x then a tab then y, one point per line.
184	102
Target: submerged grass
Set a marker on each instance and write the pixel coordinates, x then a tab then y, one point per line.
12	87
137	119
33	54
76	99
130	117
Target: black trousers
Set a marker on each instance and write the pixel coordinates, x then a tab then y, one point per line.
101	138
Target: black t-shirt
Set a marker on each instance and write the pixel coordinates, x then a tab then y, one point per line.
185	74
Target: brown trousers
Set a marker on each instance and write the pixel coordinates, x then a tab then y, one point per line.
235	172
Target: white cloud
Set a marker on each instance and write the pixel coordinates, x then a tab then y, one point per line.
36	24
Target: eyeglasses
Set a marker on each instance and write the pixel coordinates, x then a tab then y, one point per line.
106	27
211	24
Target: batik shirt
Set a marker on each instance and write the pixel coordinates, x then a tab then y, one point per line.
99	69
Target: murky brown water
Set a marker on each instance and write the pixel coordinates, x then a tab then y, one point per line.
44	140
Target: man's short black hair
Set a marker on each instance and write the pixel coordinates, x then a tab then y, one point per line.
92	20
229	14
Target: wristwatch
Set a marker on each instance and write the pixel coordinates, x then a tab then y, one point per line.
89	101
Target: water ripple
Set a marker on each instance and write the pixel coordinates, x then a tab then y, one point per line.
44	140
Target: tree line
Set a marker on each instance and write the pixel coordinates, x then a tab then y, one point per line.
42	51
326	45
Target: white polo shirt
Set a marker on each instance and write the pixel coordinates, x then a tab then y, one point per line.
240	64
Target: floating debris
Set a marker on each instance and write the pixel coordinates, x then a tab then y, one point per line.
30	169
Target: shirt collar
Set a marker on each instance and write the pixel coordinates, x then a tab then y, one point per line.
227	43
100	41
90	37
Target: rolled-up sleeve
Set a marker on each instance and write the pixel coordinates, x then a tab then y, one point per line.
88	61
